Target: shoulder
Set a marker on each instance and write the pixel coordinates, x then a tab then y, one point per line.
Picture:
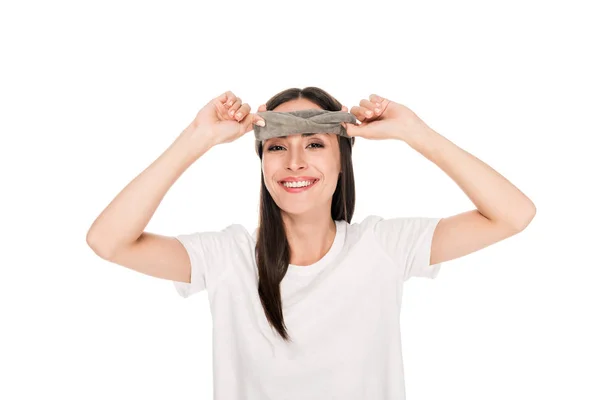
237	231
361	229
369	221
404	228
238	235
366	224
231	236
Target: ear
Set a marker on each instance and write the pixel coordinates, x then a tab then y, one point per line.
344	108
262	107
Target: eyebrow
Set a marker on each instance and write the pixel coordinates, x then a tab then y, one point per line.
285	137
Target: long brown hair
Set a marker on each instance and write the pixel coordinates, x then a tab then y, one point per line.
272	247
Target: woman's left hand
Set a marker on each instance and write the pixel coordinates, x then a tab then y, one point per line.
393	121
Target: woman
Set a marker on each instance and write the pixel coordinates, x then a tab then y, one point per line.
307	306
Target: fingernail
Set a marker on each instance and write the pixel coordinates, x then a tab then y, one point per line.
369	112
260	122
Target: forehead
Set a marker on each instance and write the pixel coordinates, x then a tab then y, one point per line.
297	104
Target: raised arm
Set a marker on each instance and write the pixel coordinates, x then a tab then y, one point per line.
117	234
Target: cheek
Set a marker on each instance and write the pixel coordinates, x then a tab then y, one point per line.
269	170
331	167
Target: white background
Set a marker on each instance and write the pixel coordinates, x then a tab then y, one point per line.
93	92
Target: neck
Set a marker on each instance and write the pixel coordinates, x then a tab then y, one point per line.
310	236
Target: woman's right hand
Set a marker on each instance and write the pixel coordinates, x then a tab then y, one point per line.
219	121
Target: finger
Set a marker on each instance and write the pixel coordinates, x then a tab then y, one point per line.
351	129
230	98
234	107
370	106
219	103
222	98
247	118
365	112
379	101
358	113
252	119
242	112
256	119
375	98
227	98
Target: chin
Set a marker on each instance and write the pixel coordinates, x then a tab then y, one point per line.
295	209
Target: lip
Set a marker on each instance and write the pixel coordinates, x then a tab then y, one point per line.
297	178
300	189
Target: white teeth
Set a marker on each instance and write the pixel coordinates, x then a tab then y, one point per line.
297	184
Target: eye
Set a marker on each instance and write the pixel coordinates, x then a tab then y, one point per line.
318	145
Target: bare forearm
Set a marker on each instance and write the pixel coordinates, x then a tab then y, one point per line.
493	195
125	218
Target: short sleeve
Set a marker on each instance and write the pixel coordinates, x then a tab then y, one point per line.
408	242
209	254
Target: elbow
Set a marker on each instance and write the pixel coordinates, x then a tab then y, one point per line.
527	220
96	245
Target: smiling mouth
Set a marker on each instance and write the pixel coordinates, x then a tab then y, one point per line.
298	187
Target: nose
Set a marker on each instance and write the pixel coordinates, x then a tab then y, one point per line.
296	160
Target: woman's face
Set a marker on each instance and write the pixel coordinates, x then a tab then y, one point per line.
314	157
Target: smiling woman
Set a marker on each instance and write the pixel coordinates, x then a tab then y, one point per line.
322	158
306	266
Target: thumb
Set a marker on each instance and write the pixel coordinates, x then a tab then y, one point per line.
258	120
255	118
352	129
250	120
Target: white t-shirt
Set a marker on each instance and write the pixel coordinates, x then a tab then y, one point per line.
342	312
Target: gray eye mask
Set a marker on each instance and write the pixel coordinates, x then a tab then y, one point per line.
278	124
